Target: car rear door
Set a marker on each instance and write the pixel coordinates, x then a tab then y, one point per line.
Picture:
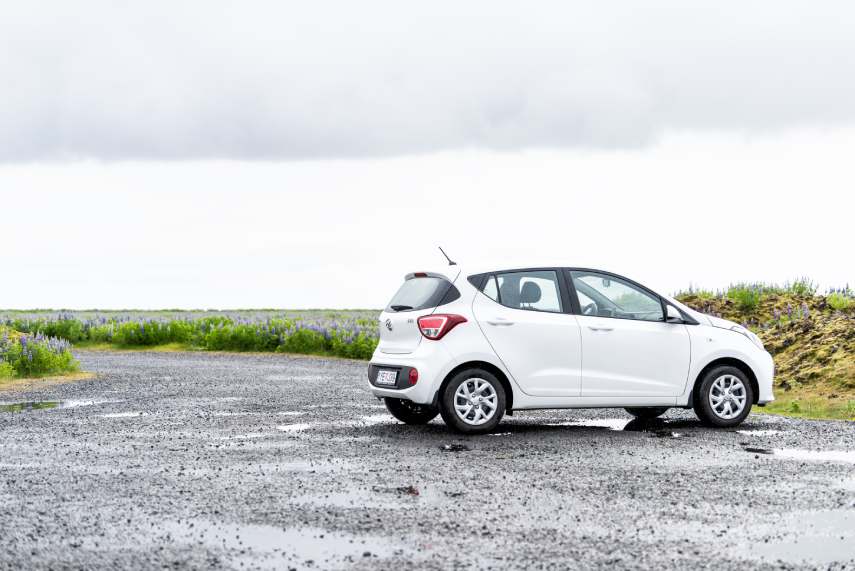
524	317
420	293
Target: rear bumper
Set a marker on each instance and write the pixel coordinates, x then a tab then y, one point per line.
424	359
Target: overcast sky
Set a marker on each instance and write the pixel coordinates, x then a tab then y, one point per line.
257	154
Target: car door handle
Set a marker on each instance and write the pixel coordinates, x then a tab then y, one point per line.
500	321
604	329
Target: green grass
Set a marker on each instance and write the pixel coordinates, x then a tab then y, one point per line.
818	407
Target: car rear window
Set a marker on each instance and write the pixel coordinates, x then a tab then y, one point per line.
423	292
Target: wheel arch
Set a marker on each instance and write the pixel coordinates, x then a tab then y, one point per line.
732	362
489	367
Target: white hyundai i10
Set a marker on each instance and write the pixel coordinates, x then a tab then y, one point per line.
473	346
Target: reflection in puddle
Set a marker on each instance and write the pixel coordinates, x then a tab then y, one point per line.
824	537
274	548
610	423
46	405
297	427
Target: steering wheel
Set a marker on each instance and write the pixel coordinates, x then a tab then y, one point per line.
590	309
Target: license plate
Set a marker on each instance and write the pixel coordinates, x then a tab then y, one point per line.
388	378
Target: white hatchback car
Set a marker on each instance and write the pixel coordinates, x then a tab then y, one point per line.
473	346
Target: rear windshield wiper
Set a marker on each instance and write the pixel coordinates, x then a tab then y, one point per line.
400	307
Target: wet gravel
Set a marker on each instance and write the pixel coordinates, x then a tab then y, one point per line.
265	461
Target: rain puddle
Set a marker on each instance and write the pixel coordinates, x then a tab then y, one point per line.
46	405
455	448
609	423
373	419
377	497
250	436
823	537
297	427
846	456
274	548
654	427
256	413
759	432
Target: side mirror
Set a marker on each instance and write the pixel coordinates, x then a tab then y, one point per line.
672	315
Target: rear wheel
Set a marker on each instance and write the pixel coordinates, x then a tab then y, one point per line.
473	402
647	412
724	397
409	412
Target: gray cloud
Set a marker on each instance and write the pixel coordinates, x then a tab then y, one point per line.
184	80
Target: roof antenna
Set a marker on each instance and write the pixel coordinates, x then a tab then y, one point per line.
450	263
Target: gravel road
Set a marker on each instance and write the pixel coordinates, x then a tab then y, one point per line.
267	461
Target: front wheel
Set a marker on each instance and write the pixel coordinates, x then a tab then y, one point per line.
647	412
724	397
409	412
473	402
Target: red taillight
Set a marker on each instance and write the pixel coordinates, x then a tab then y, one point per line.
435	326
414	376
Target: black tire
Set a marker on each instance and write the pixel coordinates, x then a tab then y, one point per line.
647	412
409	412
448	396
702	401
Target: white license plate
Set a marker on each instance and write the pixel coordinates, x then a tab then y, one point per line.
389	378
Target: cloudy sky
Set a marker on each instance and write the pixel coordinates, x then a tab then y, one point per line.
259	154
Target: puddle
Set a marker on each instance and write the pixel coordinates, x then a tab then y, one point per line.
46	405
385	497
256	413
846	456
454	448
609	423
249	436
276	548
297	427
822	537
376	419
759	432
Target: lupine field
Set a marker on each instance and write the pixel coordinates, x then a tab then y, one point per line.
351	334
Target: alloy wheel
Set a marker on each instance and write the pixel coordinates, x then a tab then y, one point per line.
728	396
475	401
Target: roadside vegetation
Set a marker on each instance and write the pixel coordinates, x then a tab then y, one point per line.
23	356
350	334
811	336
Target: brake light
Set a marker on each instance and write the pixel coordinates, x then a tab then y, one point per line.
434	327
414	376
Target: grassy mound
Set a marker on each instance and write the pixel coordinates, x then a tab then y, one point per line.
811	337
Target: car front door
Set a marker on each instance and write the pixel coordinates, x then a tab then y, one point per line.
628	347
522	315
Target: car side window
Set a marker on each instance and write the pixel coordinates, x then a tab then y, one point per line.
530	290
490	289
603	295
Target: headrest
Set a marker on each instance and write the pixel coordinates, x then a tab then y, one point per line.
530	293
